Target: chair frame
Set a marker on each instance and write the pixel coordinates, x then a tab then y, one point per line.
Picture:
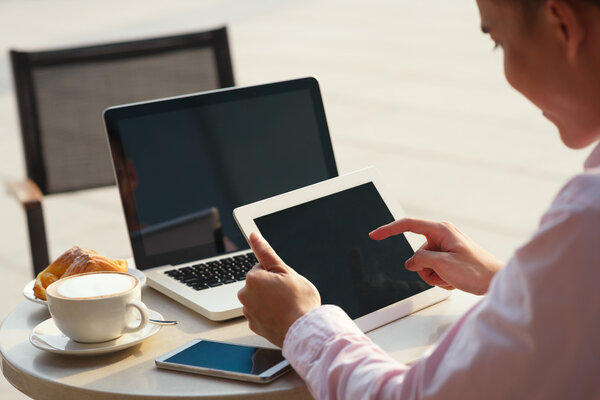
24	63
30	192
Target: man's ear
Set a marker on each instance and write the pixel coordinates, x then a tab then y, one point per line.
567	26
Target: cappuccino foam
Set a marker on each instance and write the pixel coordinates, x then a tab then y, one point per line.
95	285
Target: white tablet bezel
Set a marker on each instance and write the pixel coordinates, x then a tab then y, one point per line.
245	216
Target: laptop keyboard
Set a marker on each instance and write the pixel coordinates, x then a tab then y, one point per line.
214	273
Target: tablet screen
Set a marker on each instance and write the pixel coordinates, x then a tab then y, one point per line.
326	240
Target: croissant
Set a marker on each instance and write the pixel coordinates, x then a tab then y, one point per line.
93	263
76	260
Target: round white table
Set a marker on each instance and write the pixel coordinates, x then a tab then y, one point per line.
131	373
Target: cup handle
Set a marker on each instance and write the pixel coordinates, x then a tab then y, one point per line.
141	307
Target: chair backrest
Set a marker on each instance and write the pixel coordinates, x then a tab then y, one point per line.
61	95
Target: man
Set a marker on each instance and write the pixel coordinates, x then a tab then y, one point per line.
536	334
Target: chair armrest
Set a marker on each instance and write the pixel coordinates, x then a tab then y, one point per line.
26	192
30	196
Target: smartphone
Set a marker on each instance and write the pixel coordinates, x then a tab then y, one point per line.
226	360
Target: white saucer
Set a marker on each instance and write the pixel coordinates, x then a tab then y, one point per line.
46	336
28	289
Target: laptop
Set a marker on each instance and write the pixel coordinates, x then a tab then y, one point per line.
184	163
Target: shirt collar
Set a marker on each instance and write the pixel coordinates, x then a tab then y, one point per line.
593	159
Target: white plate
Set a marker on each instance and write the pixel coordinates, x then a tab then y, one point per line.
46	336
28	289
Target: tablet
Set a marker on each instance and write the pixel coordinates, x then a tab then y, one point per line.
322	231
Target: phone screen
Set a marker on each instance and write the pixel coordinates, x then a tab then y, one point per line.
227	357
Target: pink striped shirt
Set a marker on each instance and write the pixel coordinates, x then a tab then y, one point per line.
535	335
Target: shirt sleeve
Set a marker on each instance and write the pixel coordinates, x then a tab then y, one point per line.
535	335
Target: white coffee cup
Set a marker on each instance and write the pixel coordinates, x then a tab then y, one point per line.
97	306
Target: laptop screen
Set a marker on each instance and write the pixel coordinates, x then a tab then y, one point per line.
183	164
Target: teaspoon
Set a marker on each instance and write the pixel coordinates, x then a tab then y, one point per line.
163	323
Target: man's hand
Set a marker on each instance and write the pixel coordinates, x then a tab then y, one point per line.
448	259
275	295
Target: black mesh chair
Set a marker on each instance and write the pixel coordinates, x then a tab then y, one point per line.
61	95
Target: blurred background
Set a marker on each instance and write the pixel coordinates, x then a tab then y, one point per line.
412	87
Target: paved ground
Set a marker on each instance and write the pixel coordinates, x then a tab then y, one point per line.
411	87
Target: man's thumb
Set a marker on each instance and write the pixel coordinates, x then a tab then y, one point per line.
265	254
